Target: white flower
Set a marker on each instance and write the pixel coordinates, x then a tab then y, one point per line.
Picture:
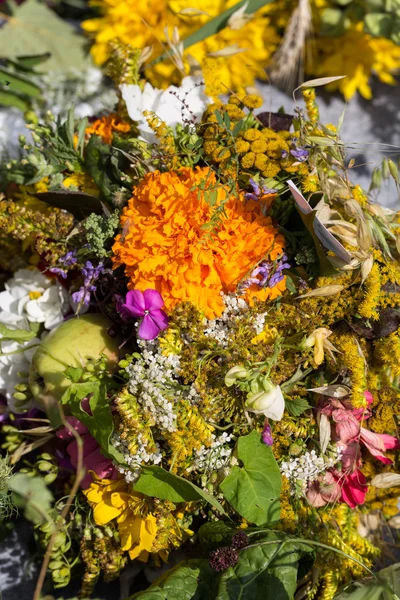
269	403
31	297
169	105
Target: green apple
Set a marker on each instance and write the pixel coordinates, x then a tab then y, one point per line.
69	345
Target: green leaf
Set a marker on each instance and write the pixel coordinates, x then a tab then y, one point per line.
157	482
213	534
100	423
31	495
296	406
374	590
16	335
103	165
189	580
378	24
10	99
265	571
253	490
33	60
19	84
73	373
35	29
78	204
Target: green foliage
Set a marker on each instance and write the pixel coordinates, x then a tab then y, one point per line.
159	483
100	423
6	503
15	335
100	232
190	580
253	490
105	166
31	495
388	588
296	406
267	570
34	29
213	534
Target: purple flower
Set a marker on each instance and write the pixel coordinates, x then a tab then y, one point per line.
255	194
267	434
223	558
67	260
301	154
90	274
147	306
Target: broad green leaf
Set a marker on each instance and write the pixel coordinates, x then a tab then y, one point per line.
157	482
32	495
16	335
10	99
104	164
33	60
100	424
19	84
213	534
189	580
253	490
78	204
35	29
265	571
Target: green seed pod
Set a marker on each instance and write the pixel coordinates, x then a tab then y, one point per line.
393	170
385	169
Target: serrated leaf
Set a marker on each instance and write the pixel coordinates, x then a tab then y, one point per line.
253	490
158	483
296	406
35	29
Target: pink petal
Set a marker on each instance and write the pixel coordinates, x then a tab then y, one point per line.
351	456
89	444
390	442
372	441
65	434
354	489
160	318
153	300
135	303
148	330
369	397
347	426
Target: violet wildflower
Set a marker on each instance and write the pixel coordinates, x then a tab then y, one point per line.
223	558
257	191
68	260
265	274
90	274
300	154
146	305
267	434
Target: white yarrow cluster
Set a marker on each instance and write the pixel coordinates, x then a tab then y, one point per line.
214	457
303	470
220	328
259	322
135	461
150	381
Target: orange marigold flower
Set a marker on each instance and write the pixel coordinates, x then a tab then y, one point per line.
165	245
106	127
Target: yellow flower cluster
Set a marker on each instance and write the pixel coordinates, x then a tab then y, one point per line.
145	526
357	55
233	57
353	359
165	139
370	303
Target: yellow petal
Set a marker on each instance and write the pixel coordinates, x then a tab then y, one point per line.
104	513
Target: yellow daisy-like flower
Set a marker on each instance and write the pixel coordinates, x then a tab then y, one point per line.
248	44
137	526
357	55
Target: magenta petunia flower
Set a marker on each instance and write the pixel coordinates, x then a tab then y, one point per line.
147	306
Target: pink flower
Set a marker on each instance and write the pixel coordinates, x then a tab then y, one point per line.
378	443
354	487
146	305
93	459
346	425
350	457
323	490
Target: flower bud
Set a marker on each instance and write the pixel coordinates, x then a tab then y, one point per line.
270	403
235	373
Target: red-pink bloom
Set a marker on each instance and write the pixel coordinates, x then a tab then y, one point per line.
323	490
350	456
147	306
378	443
354	487
346	425
93	459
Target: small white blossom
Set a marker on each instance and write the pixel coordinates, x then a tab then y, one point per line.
303	470
169	105
215	457
135	461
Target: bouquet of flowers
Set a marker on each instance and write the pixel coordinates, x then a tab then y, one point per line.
200	348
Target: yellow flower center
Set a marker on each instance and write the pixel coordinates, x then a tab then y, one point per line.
35	295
